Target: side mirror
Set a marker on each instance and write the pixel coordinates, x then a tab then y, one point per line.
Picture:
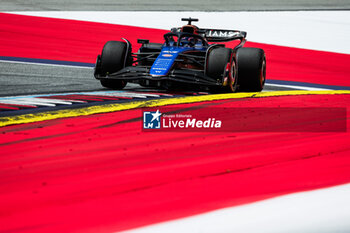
142	41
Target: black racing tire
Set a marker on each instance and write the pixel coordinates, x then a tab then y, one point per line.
217	61
216	65
113	83
251	68
115	56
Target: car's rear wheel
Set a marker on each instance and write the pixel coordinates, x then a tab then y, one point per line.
251	64
115	56
221	66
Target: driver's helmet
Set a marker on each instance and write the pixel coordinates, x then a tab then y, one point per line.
187	41
190	29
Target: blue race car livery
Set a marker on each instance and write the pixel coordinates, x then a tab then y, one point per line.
186	60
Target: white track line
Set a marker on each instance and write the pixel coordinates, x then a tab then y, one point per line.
125	93
320	211
297	87
38	101
27	102
128	94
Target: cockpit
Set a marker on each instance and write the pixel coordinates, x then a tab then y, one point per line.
183	39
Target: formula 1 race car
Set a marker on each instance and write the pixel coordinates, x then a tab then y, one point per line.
184	61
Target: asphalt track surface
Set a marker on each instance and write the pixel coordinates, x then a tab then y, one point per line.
179	5
20	79
27	79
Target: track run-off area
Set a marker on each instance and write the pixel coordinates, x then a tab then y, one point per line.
75	158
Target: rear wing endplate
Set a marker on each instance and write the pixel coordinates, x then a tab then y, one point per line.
221	35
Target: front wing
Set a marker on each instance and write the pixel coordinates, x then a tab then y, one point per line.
137	73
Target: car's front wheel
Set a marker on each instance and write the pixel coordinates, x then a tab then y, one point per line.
115	56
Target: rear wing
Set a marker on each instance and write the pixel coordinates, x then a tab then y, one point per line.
218	35
222	35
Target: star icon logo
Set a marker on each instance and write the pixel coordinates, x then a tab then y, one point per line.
152	120
156	115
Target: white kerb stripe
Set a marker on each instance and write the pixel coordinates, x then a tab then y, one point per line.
36	101
27	102
297	87
122	94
